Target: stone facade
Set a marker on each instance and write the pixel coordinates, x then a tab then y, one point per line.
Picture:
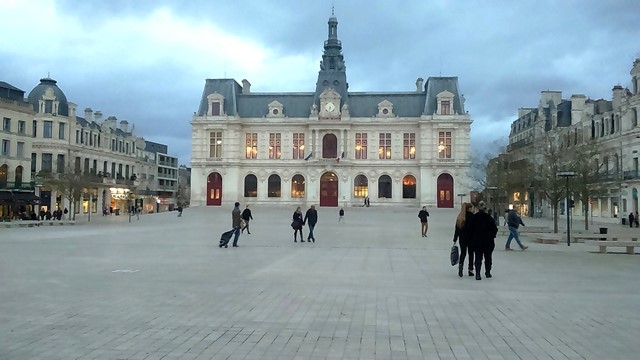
612	123
330	147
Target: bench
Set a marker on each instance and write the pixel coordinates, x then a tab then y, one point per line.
578	238
504	230
614	242
58	222
546	239
21	223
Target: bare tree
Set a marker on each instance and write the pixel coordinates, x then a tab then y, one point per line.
70	184
588	182
552	161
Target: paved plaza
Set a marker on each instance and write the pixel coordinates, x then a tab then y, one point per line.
369	288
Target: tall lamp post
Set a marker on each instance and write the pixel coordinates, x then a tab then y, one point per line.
567	175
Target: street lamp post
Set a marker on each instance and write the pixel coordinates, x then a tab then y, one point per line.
567	175
461	196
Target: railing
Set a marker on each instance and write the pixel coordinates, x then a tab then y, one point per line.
631	174
18	185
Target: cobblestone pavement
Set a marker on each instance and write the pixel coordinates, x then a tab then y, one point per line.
369	288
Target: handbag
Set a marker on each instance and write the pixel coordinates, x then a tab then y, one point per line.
455	255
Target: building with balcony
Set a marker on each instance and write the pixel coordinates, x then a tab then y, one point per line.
104	150
331	146
161	176
16	185
613	127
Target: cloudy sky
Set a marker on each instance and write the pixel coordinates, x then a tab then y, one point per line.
146	61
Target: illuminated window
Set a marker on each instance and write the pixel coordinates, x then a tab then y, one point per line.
409	146
361	145
298	145
360	186
384	150
215	144
444	145
409	187
252	145
297	186
274	146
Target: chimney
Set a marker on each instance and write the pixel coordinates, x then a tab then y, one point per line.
523	111
72	110
246	87
419	83
618	94
124	125
577	102
88	114
98	116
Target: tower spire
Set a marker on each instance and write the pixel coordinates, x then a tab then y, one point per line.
332	72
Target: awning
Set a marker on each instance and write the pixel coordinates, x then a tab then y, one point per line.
25	198
6	197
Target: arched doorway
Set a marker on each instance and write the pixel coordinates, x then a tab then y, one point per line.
445	191
384	187
329	189
329	147
214	189
409	187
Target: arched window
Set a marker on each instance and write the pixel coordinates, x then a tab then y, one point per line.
329	147
19	177
360	186
409	187
250	186
273	186
4	169
297	186
384	187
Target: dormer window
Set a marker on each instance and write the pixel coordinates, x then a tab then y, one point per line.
385	109
216	104
275	109
445	99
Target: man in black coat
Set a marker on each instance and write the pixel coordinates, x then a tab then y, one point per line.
246	216
484	232
311	218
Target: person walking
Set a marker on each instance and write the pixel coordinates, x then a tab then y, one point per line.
484	231
235	223
513	222
462	233
637	220
424	222
179	211
246	216
297	225
631	219
341	215
311	219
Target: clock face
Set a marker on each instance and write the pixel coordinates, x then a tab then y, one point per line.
329	107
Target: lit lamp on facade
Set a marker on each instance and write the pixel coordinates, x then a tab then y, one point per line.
441	147
412	150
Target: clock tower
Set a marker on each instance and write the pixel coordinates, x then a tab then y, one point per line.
332	74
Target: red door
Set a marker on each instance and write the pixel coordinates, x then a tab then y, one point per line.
214	189
445	191
329	189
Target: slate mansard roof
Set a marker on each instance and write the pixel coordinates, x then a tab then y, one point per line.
47	83
361	104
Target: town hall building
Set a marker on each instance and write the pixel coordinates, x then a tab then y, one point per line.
331	147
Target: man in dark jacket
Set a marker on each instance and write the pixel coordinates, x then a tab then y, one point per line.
484	232
513	222
311	218
246	216
235	223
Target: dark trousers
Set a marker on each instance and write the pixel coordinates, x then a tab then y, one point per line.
237	235
464	249
631	223
246	226
485	251
311	232
295	233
